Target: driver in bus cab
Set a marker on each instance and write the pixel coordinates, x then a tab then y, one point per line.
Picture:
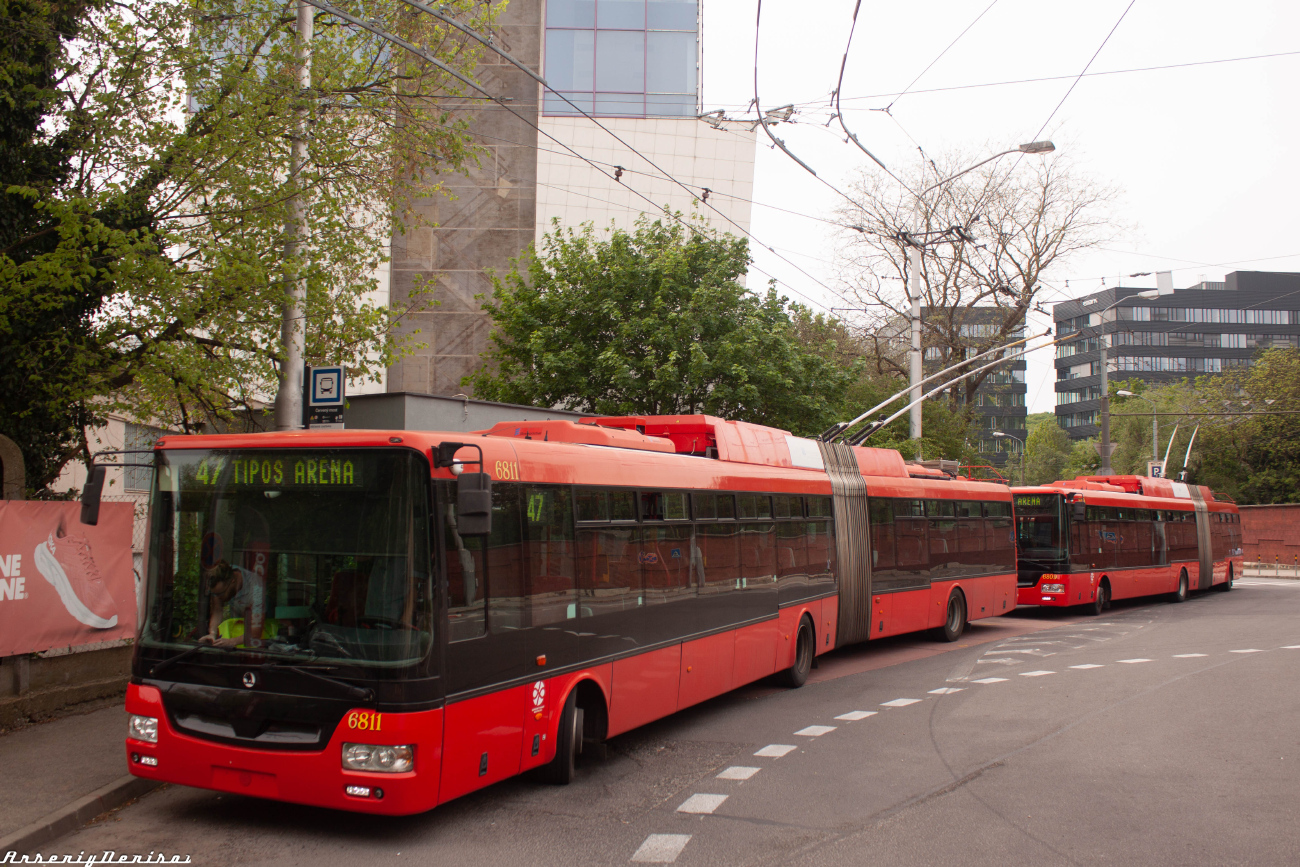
231	592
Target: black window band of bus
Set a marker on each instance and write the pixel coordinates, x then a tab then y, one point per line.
596	505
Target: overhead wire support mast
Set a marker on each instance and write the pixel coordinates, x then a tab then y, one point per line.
523	67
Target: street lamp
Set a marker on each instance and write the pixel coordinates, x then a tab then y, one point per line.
1147	295
1000	434
1033	147
1155	419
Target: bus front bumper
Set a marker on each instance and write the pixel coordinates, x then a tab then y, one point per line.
316	778
1059	591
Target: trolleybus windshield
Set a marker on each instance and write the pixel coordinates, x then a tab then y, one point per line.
1040	527
318	554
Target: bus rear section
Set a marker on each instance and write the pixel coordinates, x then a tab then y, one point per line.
1094	539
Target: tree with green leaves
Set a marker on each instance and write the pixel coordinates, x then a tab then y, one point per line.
653	321
145	150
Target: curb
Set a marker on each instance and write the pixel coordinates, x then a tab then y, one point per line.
76	814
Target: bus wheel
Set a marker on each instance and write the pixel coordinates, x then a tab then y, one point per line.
797	675
1180	595
568	743
1226	585
1098	605
955	622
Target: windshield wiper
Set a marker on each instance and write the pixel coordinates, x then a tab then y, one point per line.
189	651
360	693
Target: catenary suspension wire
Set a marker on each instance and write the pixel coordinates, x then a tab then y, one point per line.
940	57
489	43
428	57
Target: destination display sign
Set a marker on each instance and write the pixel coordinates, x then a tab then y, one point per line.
267	471
1037	503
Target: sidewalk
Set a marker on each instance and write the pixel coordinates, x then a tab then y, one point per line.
62	774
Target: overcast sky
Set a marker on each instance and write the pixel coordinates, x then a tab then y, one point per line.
1203	156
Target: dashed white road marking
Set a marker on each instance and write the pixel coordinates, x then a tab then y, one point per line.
775	751
945	690
1187	655
815	731
899	702
1247	650
999	661
738	772
701	804
1291	647
990	680
661	848
1132	661
1088	665
1035	673
855	715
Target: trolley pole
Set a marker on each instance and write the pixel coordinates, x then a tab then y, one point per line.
293	327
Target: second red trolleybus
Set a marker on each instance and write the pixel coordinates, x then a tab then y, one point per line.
384	621
1098	538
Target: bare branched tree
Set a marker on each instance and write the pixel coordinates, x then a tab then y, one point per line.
1026	218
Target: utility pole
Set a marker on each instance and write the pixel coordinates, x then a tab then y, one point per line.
293	328
914	296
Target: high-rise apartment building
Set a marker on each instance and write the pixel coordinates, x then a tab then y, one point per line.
633	64
1183	333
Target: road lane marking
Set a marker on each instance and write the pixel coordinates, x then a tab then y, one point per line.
1291	647
1088	665
701	804
1132	661
945	690
775	751
661	848
855	715
990	680
737	772
815	731
1035	673
1000	661
1247	650
1187	655
899	702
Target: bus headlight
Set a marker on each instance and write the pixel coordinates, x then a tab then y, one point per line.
383	758
143	728
1053	588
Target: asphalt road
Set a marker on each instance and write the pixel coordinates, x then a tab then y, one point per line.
1154	734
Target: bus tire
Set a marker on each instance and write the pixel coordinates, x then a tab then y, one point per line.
954	623
568	743
1180	595
1098	605
805	645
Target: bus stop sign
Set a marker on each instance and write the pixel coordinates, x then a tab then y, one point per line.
326	390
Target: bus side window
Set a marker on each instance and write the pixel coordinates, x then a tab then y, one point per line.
549	554
507	610
466	573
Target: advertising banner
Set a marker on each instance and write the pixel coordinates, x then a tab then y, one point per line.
63	583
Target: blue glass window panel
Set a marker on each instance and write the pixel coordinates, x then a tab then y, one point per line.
671	63
620	61
570	59
670	105
620	105
672	15
554	106
620	14
571	13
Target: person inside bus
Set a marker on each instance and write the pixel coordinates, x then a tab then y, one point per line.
230	594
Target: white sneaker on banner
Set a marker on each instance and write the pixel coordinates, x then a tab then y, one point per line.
66	563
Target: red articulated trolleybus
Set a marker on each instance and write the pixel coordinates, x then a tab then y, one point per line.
384	621
1098	538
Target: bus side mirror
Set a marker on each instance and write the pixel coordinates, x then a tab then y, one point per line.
90	495
1079	511
474	504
